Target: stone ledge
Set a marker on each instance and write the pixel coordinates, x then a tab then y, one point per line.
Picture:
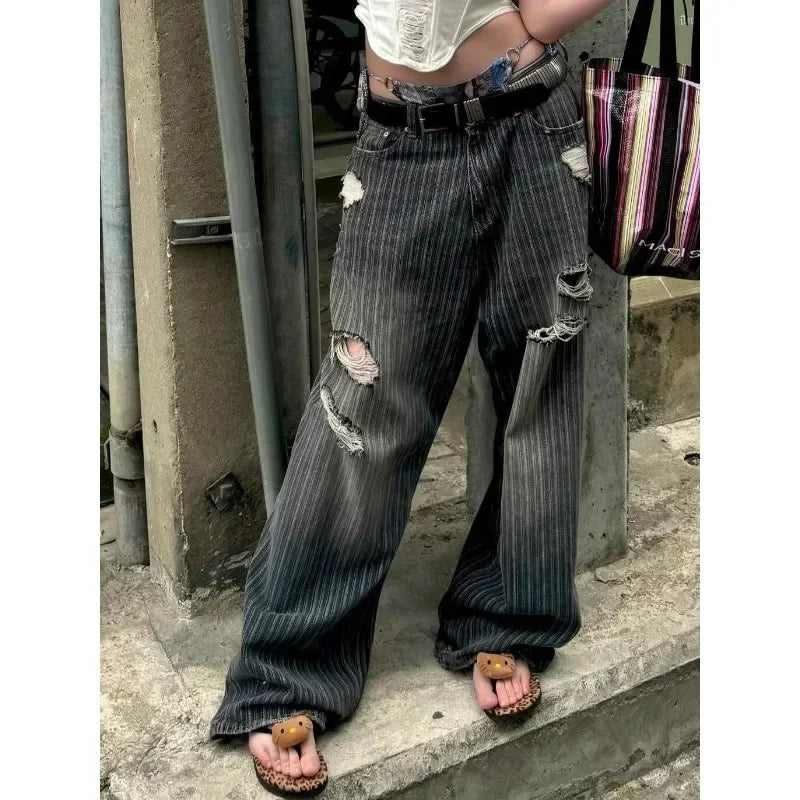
649	290
663	351
619	700
678	780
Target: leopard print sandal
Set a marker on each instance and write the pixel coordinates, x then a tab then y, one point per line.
290	733
498	666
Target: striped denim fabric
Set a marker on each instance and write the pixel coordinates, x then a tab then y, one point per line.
488	225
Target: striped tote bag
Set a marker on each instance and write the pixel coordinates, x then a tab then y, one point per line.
643	143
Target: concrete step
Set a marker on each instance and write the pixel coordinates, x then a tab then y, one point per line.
663	351
677	780
619	701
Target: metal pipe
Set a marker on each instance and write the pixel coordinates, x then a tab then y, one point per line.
291	268
125	440
309	183
251	274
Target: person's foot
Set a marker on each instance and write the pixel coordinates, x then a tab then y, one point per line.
506	691
286	760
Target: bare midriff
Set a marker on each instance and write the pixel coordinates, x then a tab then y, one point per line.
472	56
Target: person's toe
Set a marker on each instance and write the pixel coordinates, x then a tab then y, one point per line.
257	742
512	691
294	763
284	753
502	693
274	755
309	758
484	693
522	679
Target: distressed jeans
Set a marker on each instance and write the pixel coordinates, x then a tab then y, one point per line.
440	232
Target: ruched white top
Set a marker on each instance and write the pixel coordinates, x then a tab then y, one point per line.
424	34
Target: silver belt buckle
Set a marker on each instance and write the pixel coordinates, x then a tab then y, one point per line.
431	129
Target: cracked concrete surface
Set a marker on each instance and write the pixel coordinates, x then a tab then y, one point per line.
418	732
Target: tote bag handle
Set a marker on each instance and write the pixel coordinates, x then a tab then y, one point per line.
696	42
633	57
668	58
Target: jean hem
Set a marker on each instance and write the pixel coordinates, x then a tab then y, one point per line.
271	716
537	658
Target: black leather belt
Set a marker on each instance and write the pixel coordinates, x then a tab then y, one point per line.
450	116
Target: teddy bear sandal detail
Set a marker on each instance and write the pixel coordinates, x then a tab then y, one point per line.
290	733
499	666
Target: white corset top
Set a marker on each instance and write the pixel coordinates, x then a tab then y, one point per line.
424	34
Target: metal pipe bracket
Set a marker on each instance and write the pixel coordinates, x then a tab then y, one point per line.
124	453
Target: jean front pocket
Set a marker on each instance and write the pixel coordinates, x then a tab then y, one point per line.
561	113
375	138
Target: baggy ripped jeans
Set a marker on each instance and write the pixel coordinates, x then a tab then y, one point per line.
439	231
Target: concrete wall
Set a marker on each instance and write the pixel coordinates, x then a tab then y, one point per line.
196	408
663	351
